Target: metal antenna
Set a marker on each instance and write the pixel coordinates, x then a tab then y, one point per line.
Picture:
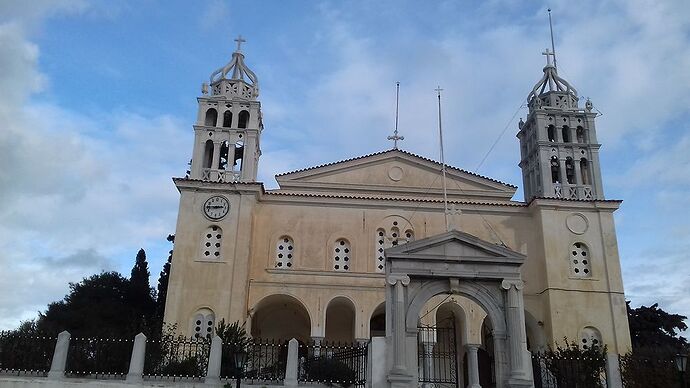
553	46
443	161
395	136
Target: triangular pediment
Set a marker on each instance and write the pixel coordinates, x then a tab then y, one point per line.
458	247
394	173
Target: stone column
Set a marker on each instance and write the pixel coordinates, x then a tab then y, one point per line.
517	342
317	345
563	178
292	364
214	361
136	361
215	164
613	371
57	366
399	329
472	366
578	173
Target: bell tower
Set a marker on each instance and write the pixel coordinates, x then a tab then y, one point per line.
228	125
559	153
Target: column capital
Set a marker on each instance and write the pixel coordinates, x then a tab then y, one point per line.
392	279
507	284
472	347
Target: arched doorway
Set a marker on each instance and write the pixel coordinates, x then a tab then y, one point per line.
281	317
377	322
340	321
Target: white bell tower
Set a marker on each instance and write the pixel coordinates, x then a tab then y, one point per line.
558	142
228	125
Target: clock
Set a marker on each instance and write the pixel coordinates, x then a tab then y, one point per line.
216	207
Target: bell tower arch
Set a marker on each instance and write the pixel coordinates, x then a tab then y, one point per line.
559	153
228	125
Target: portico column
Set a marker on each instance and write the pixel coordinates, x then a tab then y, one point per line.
472	366
517	343
399	330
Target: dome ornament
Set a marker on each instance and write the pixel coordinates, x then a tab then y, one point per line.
225	79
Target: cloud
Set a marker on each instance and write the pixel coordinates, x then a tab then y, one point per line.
80	189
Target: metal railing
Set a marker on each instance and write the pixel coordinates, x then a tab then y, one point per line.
25	354
176	359
265	361
101	358
333	363
567	372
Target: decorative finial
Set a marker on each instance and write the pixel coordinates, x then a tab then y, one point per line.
521	123
239	41
395	136
204	88
588	105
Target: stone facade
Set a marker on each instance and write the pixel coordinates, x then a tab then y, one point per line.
307	260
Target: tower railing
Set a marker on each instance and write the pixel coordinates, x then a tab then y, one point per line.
218	175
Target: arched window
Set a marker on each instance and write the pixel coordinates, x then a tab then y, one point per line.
580	261
208	154
380	246
551	132
202	323
555	169
580	132
584	170
590	337
211	241
388	238
570	170
223	161
211	117
342	255
243	119
227	119
285	249
566	134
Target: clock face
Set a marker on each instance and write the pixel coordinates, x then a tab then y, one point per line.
216	207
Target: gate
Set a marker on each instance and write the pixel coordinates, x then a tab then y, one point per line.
437	356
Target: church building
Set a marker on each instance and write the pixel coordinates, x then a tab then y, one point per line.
308	260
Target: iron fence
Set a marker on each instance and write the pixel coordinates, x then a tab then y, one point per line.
333	363
105	358
176	359
25	354
265	362
437	356
567	372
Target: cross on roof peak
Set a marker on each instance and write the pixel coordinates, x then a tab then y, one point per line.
239	41
548	54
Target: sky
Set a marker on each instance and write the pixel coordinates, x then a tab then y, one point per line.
98	99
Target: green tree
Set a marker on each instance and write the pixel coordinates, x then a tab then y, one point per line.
654	331
141	295
98	306
162	288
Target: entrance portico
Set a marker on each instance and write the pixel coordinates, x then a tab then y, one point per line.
462	264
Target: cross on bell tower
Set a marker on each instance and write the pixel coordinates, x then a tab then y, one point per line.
239	41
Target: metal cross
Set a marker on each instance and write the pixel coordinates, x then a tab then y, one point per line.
239	41
395	139
548	54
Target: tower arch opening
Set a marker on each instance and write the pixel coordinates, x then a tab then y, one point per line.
211	117
243	119
227	119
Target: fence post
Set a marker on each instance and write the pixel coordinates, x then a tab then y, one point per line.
292	364
214	360
613	371
57	366
136	361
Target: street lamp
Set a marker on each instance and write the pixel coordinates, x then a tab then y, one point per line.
681	363
240	359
